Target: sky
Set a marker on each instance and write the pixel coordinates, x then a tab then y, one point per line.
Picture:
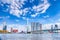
22	12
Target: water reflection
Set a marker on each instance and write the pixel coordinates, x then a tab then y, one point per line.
55	36
0	38
48	36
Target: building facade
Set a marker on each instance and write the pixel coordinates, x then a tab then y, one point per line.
5	27
36	27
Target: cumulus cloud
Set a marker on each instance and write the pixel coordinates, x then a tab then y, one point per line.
41	8
2	4
6	1
16	5
34	15
31	0
47	16
24	18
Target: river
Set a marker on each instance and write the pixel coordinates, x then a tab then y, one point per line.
46	36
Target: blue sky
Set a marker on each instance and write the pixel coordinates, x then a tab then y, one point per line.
18	11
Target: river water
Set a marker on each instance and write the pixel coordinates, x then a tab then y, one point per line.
46	36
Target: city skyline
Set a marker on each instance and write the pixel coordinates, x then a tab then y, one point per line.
21	12
24	27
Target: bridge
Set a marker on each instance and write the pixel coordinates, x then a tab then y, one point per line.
46	31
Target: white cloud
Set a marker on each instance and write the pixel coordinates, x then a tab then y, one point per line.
24	18
2	4
16	5
41	8
17	20
31	0
45	8
34	15
27	19
18	12
15	8
15	12
6	1
47	16
25	11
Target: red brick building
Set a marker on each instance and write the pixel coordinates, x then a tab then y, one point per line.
15	30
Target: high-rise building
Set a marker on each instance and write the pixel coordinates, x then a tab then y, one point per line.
56	26
32	26
11	29
35	26
5	27
52	28
40	26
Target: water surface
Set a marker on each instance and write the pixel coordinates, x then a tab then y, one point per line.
46	36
